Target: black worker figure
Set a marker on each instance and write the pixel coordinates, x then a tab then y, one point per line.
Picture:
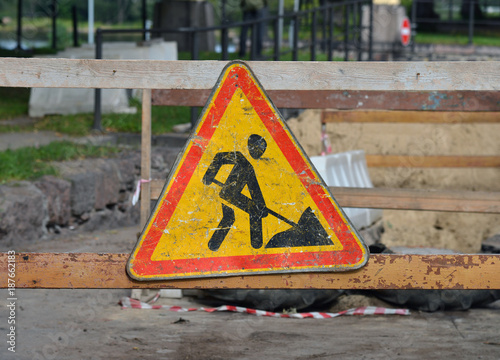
242	175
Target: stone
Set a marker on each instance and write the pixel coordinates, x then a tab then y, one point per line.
57	192
23	213
112	219
128	170
83	192
107	184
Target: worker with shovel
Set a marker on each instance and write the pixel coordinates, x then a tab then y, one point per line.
307	232
241	175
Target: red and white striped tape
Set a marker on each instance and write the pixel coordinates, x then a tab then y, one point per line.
128	303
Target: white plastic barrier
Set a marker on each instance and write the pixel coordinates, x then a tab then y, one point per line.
348	169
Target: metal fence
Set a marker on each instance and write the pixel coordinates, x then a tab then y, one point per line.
457	14
336	28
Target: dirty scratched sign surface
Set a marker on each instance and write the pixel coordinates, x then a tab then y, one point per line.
243	198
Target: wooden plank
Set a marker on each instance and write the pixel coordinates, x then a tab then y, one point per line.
432	161
347	76
403	199
433	117
146	157
347	100
418	199
89	270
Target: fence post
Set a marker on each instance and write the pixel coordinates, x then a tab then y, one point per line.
97	92
330	33
19	23
370	33
144	15
359	22
413	24
253	45
313	36
471	22
295	50
346	32
75	25
277	37
194	56
224	41
145	156
54	24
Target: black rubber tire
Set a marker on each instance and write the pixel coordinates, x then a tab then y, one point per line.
434	300
273	300
437	300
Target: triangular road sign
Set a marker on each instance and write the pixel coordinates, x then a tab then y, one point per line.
243	198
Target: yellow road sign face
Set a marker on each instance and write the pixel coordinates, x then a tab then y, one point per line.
243	198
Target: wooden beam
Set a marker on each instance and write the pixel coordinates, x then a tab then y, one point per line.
433	117
418	199
348	100
283	75
432	161
107	271
403	199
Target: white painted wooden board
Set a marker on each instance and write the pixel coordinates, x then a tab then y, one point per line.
151	74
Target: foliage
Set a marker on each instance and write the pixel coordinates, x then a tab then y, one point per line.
106	11
30	162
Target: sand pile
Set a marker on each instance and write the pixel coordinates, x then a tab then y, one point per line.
458	231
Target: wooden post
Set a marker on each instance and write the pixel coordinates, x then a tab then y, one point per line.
145	156
145	167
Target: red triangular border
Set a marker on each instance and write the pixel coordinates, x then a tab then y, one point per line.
141	267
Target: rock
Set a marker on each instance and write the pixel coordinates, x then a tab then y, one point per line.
93	194
57	192
23	213
372	234
107	184
128	169
182	128
491	245
82	192
111	219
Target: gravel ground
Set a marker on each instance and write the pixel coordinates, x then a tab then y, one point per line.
89	324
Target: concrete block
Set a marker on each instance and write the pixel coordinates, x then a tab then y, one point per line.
47	101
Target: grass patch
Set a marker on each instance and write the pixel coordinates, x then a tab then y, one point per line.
14	102
30	163
456	39
304	54
163	120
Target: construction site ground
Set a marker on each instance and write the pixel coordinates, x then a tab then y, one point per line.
90	324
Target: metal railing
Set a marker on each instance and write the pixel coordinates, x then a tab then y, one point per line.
342	34
460	14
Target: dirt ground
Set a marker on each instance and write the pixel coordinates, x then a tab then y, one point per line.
463	232
89	324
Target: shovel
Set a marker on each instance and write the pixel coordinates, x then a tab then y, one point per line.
307	232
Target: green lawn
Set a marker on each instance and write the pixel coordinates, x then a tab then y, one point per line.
30	163
14	103
456	39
